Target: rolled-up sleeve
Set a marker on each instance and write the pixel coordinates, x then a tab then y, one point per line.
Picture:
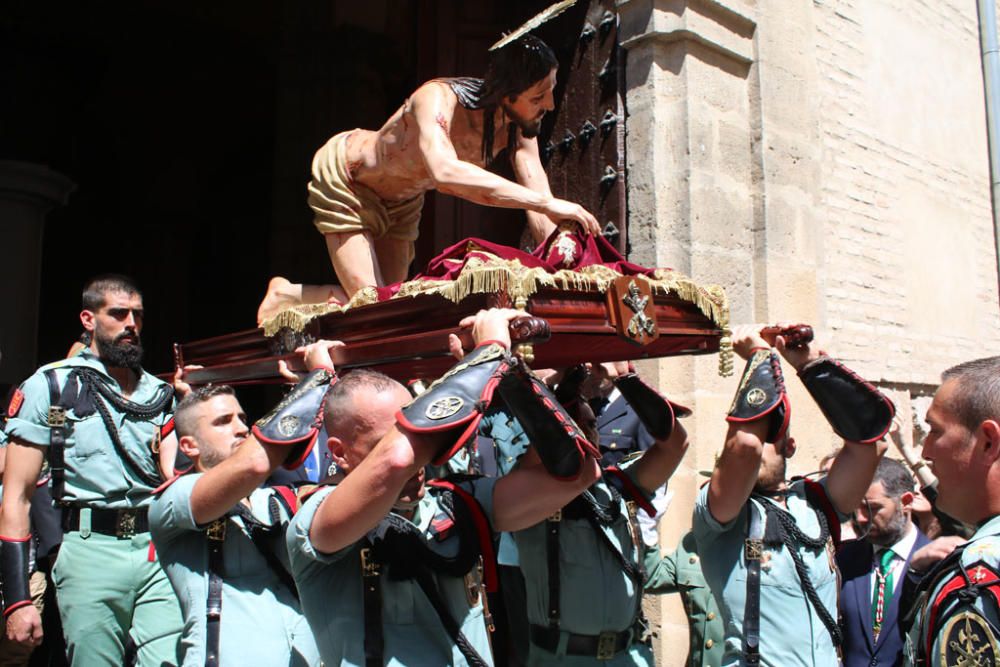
30	422
705	526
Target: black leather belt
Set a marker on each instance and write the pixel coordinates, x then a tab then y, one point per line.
123	524
604	646
753	552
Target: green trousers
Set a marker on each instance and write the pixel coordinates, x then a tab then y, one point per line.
109	590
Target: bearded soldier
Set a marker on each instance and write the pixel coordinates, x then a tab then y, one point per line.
766	544
99	418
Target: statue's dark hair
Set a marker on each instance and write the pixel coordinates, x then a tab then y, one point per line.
510	71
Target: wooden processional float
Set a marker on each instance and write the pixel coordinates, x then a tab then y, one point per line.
586	303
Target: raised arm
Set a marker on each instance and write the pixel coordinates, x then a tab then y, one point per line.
529	172
228	483
370	489
433	109
759	413
369	492
529	494
856	410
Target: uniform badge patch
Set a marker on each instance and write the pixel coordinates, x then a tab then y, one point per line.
288	425
15	403
444	407
967	640
756	397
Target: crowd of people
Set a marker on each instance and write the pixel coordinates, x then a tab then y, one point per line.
501	516
495	518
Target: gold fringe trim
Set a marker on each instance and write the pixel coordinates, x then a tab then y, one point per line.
494	275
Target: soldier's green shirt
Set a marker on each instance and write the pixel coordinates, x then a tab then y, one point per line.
680	572
261	620
330	586
595	593
791	632
95	474
962	628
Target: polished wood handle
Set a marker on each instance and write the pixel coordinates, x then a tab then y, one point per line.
374	353
795	335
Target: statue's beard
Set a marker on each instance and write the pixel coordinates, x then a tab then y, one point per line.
529	128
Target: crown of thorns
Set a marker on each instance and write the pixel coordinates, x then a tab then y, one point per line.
538	19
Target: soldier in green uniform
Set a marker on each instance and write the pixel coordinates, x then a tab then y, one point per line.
766	544
680	572
583	566
957	603
98	417
222	541
383	562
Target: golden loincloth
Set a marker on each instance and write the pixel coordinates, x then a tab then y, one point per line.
342	205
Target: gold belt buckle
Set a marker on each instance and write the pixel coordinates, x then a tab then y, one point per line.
216	530
125	526
369	566
57	416
606	645
753	549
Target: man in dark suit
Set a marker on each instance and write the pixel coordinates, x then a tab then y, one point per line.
873	567
621	432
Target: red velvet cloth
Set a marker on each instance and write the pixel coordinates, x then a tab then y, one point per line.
586	250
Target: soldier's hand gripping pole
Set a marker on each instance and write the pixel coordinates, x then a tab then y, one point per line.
560	443
14	561
297	419
762	395
856	410
655	412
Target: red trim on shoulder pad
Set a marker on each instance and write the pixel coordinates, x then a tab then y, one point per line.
756	417
289	495
15	607
167	428
4	538
469	431
291	463
816	493
483	530
979	573
16	401
634	493
255	431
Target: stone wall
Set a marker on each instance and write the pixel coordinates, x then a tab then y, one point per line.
825	161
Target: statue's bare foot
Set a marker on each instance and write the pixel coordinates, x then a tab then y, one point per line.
281	294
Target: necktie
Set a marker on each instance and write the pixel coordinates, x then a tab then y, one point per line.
882	595
311	464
